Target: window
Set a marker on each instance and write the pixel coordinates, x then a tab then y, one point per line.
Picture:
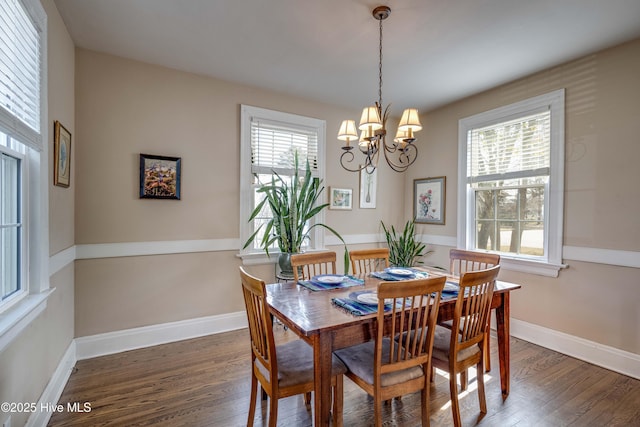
269	142
11	222
511	169
24	215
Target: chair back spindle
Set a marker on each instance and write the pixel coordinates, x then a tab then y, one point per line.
367	260
305	266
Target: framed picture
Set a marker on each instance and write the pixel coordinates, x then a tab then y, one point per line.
61	155
429	200
340	198
159	177
368	184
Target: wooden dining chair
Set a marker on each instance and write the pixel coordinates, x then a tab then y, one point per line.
460	347
307	265
386	368
462	261
284	370
367	260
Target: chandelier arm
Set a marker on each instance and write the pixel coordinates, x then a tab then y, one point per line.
370	161
390	148
406	158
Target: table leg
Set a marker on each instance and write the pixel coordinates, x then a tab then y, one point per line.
322	357
502	325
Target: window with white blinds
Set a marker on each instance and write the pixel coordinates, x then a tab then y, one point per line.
511	180
20	63
270	142
24	207
274	146
513	149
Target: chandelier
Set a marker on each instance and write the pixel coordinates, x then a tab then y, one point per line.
401	152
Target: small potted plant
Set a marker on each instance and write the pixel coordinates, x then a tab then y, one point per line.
404	249
293	205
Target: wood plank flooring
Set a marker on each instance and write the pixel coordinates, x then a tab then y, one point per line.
205	382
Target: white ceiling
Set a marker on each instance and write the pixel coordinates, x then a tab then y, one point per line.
434	51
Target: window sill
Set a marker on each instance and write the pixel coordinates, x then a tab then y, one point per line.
532	267
256	258
17	318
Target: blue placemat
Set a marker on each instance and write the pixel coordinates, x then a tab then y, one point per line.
353	306
450	293
317	286
393	278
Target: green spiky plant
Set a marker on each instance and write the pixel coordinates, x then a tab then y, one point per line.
404	249
293	206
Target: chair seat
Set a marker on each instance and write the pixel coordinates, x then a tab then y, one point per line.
442	343
359	360
295	364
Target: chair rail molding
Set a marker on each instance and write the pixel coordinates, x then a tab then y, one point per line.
623	258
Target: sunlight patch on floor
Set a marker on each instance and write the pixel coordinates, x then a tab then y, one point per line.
472	387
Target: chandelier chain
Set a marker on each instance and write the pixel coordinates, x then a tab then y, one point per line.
380	67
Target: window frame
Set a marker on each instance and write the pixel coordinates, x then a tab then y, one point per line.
247	114
551	263
17	316
23	217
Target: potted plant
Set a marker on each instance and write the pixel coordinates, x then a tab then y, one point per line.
404	249
292	205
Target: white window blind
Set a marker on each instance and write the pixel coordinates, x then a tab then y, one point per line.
20	57
513	149
275	144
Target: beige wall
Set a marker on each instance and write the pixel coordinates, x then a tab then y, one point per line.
597	302
28	363
125	108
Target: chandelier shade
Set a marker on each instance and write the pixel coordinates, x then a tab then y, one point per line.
370	119
400	153
347	131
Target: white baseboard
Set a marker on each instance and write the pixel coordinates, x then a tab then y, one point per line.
130	339
52	392
611	358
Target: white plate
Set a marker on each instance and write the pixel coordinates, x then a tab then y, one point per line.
450	287
399	271
329	279
371	298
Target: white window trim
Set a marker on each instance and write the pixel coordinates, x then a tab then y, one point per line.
246	177
554	208
18	317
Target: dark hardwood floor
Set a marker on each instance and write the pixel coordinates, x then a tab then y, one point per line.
205	382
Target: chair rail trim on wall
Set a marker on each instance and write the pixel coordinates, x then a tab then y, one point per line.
58	261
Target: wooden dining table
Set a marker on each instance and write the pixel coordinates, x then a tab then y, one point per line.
313	316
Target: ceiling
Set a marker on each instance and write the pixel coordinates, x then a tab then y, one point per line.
434	51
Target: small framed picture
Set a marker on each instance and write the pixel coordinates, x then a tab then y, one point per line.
159	177
61	155
340	198
429	200
368	184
